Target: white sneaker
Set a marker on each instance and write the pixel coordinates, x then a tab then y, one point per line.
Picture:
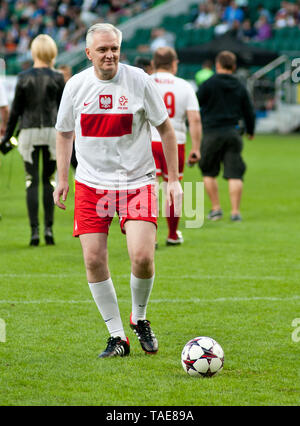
179	240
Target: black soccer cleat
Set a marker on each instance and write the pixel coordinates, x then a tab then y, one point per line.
49	239
35	237
146	337
116	347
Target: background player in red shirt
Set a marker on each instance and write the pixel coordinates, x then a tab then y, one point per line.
182	104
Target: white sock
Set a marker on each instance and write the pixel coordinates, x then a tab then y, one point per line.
140	293
106	300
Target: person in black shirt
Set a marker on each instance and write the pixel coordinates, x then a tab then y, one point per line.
66	71
34	110
224	101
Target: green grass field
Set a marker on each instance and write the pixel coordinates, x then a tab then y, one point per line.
238	283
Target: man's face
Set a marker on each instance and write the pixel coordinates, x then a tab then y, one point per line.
104	52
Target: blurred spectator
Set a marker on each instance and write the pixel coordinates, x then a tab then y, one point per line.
264	29
24	41
10	43
207	16
161	38
4	20
244	6
50	28
205	73
231	18
233	13
262	11
2	42
284	17
247	31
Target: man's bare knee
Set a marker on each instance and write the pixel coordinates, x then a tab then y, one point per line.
95	260
143	263
96	265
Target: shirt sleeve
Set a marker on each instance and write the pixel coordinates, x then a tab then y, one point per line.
155	108
65	117
3	97
193	104
16	110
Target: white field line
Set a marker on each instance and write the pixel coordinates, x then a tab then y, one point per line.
164	277
163	300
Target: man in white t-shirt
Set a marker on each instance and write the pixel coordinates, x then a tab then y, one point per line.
182	104
4	111
110	106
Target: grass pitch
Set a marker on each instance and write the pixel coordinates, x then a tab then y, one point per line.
235	282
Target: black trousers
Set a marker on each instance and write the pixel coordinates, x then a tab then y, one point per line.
32	186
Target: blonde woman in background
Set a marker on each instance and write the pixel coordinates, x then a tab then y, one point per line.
35	105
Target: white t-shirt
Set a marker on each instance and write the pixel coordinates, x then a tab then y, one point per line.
179	97
3	97
111	119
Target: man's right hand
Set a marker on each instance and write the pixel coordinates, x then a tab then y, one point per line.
194	157
175	196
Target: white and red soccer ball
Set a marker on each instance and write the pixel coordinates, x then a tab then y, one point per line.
202	356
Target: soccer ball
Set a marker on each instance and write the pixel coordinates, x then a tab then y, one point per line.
202	356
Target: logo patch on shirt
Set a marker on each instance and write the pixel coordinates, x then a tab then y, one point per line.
105	102
123	102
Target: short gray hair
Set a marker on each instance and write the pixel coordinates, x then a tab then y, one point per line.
102	28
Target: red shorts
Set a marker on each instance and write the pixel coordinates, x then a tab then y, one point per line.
95	208
160	161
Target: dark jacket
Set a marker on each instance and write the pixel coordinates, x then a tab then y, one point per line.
37	98
224	100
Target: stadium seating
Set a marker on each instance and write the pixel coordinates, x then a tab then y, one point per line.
285	40
65	21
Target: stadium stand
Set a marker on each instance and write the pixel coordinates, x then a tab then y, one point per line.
272	25
64	20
